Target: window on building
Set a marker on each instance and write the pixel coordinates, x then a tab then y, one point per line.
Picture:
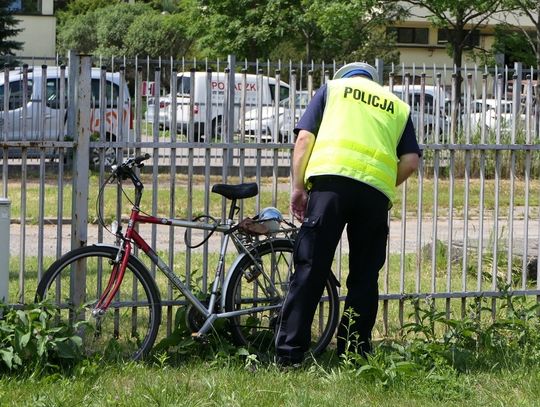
410	35
444	36
25	6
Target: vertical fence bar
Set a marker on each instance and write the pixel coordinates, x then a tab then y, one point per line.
494	268
516	110
155	159
527	176
451	189
189	186
172	193
467	184
5	130
480	251
276	137
41	196
230	112
61	156
102	103
24	177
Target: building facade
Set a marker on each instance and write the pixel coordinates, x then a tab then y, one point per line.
420	43
38	23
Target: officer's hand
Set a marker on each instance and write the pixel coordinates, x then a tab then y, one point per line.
299	198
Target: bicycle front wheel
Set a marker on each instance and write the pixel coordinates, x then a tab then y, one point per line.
266	283
75	282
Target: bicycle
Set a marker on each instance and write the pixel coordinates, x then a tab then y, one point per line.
111	290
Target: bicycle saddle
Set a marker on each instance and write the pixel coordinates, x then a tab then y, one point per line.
239	191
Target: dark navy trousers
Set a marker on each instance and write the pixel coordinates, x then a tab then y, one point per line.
335	202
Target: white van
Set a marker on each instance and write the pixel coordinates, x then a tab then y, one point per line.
258	89
37	122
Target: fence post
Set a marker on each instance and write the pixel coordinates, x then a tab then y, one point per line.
81	156
81	161
5	217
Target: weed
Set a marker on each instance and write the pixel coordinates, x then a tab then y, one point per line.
31	338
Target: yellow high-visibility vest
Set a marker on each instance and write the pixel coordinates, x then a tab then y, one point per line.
360	130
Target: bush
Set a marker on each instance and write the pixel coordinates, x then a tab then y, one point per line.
31	338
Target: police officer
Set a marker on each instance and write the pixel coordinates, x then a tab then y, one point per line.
355	144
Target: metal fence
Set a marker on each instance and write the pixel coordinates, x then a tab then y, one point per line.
466	226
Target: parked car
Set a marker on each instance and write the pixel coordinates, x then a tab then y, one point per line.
41	118
285	120
491	116
431	115
259	89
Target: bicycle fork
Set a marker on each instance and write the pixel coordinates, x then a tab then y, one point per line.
119	265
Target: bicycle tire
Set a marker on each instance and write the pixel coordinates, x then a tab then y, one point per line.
128	329
256	331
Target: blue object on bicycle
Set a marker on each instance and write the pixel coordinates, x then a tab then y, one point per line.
271	217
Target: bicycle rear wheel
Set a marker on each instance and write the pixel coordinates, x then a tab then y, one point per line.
267	283
129	327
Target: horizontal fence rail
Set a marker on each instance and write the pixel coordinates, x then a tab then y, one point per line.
465	226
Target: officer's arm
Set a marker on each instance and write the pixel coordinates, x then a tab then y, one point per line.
408	163
302	152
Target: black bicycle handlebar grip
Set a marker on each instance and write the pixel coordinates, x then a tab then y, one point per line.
141	158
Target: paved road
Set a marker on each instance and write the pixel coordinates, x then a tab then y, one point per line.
402	237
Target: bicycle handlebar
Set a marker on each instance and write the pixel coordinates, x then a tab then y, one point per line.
131	162
123	170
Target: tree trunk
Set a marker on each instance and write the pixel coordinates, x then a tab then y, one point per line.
456	59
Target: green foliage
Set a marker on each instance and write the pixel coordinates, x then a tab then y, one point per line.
30	339
123	29
155	35
78	34
514	45
318	29
179	345
474	341
8	30
437	350
112	24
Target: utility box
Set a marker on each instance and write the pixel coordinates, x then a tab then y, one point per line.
5	217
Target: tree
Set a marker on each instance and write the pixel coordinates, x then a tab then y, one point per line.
113	23
155	35
354	30
309	29
530	9
514	44
8	30
78	33
126	29
460	19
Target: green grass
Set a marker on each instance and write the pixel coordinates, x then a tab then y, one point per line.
218	383
218	376
196	201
